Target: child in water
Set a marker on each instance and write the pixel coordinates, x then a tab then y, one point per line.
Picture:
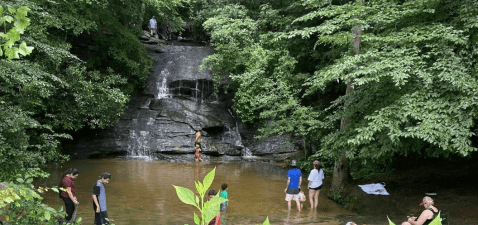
197	155
302	199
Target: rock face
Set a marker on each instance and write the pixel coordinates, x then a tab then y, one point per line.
177	101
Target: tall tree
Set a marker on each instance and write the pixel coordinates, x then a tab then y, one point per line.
414	80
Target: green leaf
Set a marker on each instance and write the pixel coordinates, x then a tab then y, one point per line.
78	220
197	200
47	216
196	219
199	187
209	178
20	180
24	49
55	189
266	222
185	195
210	210
4	19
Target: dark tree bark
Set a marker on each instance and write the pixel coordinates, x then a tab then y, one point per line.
341	168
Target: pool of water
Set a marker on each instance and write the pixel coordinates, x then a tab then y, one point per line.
142	192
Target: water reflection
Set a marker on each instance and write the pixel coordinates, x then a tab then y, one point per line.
141	192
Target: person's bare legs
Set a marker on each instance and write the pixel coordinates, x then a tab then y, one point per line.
298	204
311	198
289	204
316	196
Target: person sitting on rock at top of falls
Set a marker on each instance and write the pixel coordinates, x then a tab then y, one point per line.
180	38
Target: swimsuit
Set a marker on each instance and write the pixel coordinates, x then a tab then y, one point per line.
428	221
197	154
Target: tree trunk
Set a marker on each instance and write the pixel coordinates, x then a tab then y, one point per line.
141	16
341	168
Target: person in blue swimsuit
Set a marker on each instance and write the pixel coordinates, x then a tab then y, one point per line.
427	215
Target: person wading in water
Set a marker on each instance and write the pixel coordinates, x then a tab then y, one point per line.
69	196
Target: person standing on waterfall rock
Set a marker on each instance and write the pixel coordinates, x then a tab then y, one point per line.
197	145
153	25
294	179
198	136
197	154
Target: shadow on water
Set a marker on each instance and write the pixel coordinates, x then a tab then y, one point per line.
141	192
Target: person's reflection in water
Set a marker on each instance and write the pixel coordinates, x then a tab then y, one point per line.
196	172
312	215
295	219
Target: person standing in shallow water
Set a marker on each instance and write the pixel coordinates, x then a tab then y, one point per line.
99	200
197	145
315	184
294	179
69	196
197	154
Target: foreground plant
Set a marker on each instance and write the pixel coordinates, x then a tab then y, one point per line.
208	209
21	203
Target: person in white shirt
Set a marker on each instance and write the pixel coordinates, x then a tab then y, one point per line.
153	25
315	184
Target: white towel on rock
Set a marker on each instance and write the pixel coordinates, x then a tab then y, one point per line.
374	189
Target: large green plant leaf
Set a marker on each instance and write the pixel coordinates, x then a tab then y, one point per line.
185	195
209	178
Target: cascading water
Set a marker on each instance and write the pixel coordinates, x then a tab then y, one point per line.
137	143
245	152
163	90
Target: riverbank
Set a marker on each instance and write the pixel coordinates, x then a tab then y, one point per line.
453	182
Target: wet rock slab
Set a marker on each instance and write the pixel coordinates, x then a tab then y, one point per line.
177	101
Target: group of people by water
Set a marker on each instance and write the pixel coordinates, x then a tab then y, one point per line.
294	180
293	192
98	196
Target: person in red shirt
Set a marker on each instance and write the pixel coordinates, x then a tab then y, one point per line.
69	196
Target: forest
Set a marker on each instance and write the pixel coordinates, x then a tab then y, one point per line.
362	81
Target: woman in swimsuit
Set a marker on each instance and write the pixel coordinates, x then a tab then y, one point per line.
427	215
197	155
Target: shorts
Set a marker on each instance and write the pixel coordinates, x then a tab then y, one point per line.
316	188
223	208
289	197
101	218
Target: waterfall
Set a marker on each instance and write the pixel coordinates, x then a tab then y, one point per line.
197	99
163	90
137	142
245	152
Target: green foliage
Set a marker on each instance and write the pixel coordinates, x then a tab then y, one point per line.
50	92
414	79
15	21
21	203
208	209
